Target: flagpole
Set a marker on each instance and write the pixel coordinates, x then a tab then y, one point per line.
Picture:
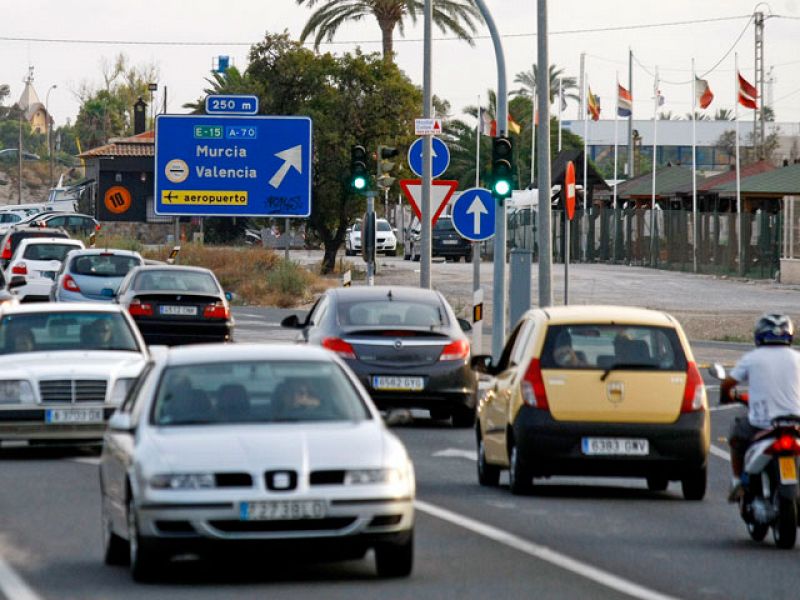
738	174
533	140
655	162
478	144
694	169
560	109
585	216
616	122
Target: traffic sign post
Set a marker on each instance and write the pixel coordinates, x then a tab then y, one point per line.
569	213
440	157
441	192
230	166
473	214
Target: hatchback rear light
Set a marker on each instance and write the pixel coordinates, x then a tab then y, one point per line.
20	269
338	345
694	392
533	391
6	255
70	285
785	444
217	310
458	350
140	309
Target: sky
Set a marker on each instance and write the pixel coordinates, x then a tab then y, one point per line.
460	72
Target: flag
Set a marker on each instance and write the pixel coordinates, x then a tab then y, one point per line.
513	126
593	106
747	93
702	92
624	102
485	122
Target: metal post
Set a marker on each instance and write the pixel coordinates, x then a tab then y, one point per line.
19	158
371	262
427	146
477	326
48	125
629	171
499	286
543	87
288	240
566	258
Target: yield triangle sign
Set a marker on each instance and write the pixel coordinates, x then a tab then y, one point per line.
441	192
437	127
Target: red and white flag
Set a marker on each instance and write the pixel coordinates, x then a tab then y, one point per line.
703	92
748	94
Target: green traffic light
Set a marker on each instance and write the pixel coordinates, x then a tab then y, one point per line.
502	187
359	183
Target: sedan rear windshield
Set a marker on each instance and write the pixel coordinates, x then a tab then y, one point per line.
47	332
392	313
103	265
48	251
273	391
444	225
175	279
611	346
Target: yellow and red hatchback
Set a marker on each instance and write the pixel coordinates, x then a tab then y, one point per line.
596	391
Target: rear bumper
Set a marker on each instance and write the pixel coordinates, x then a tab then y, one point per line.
30	424
36	290
173	332
451	251
553	447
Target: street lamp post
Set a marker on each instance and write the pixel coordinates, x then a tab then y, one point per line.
47	125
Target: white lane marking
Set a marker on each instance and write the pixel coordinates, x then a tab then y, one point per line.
720	453
13	586
87	460
544	553
456	453
723	407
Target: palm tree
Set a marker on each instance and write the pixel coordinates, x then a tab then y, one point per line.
528	80
667	115
723	114
456	16
698	116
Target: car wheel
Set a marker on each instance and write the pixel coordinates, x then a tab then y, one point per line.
144	561
348	252
757	531
520	478
396	558
391	252
468	257
693	484
463	416
784	531
488	475
657	484
115	549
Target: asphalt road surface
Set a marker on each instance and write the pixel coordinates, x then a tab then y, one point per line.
575	538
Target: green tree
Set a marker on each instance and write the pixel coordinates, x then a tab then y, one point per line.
698	116
527	79
450	16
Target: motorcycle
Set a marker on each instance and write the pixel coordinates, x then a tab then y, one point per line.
769	480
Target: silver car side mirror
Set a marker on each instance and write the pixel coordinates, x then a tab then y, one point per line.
120	421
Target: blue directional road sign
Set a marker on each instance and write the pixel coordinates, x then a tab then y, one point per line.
439	161
233	166
231	105
473	214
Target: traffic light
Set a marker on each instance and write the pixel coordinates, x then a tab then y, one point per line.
383	179
502	173
358	168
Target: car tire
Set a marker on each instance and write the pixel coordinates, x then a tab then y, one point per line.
395	558
144	558
391	252
757	531
784	530
115	548
468	257
463	416
488	475
520	478
657	483
348	252
693	484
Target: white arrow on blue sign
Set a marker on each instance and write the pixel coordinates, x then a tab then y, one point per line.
473	214
440	159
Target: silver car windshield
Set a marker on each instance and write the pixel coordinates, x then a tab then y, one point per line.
277	391
50	332
104	265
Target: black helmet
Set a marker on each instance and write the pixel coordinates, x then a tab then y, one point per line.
774	329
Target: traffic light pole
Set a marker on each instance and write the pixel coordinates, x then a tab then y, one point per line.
427	109
371	262
499	285
545	235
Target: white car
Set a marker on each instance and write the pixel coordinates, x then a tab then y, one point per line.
277	445
385	239
64	369
38	260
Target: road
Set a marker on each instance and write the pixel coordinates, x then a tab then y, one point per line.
576	538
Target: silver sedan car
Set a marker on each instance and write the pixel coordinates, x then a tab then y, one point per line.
278	446
93	275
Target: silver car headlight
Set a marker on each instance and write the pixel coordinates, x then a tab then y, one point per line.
16	391
183	481
121	388
367	476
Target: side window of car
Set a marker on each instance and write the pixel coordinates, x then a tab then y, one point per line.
130	399
522	341
505	357
318	311
57	222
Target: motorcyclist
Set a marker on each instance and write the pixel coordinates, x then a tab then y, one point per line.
772	372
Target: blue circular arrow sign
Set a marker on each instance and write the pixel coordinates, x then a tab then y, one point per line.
439	161
473	214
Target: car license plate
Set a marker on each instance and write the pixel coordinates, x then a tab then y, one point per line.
186	311
615	447
450	242
282	510
788	469
73	415
398	383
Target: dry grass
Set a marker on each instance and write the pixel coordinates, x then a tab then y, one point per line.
257	276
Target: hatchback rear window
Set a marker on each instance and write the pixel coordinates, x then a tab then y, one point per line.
48	251
104	265
443	225
608	346
394	313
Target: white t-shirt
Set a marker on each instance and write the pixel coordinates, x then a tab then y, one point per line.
773	376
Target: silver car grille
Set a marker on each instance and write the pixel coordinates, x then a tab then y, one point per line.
73	390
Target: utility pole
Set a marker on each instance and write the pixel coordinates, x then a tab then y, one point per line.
758	115
543	87
19	157
427	146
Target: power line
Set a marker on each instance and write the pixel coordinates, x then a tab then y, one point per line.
37	40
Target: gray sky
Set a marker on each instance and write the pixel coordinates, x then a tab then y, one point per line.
460	72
